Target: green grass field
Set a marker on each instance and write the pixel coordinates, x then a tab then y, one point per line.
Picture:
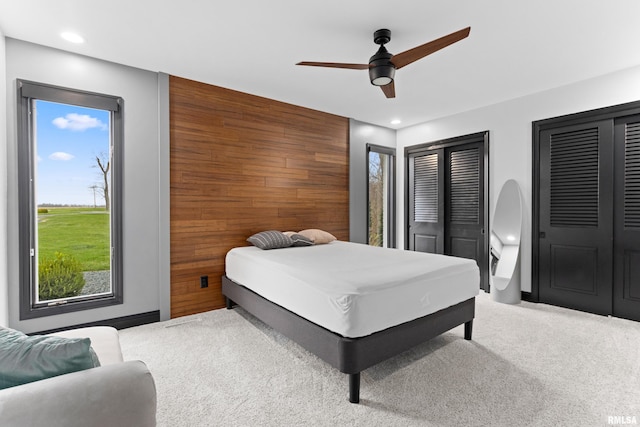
80	232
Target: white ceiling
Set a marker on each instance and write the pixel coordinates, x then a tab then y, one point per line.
515	47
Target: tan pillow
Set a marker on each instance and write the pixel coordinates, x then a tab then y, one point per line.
318	236
289	233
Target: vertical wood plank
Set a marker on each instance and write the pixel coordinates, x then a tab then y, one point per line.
241	164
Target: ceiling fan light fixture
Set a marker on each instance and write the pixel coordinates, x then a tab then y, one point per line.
382	75
381	81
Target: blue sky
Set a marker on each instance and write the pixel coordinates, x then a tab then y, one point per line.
68	140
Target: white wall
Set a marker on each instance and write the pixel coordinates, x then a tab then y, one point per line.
4	292
510	137
164	207
143	254
361	134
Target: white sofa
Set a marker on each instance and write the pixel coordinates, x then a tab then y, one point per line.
117	393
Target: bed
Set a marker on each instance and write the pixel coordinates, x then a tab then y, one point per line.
353	305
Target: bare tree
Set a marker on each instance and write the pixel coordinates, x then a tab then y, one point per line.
104	164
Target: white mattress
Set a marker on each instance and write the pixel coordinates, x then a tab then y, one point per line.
354	289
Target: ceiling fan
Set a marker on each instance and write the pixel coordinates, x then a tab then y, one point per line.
383	65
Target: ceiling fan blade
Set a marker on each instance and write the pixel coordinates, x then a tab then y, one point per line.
389	90
412	55
335	65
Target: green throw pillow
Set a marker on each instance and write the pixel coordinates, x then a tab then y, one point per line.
24	359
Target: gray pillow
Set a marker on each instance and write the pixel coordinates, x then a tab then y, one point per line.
271	239
24	359
300	240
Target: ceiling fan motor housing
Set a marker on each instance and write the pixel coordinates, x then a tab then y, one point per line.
381	69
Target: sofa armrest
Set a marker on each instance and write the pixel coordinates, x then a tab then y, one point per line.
121	394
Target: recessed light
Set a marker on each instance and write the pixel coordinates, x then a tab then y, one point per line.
511	238
72	37
396	121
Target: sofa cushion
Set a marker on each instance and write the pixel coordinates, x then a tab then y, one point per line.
105	341
24	359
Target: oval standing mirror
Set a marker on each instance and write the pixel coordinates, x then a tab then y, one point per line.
505	245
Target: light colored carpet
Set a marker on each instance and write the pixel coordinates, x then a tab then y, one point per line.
527	365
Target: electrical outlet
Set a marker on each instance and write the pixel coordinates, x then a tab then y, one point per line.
204	281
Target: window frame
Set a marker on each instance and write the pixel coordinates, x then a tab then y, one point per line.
27	91
391	197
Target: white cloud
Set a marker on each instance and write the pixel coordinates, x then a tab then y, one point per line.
78	122
59	155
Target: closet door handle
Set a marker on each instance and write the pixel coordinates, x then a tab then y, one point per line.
542	235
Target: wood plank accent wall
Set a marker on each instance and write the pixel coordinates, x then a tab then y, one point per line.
241	164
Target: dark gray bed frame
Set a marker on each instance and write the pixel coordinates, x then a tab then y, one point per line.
350	355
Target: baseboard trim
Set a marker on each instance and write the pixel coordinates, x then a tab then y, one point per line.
118	322
526	296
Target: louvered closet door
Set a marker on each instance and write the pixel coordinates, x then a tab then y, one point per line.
626	290
426	202
464	214
576	217
446	203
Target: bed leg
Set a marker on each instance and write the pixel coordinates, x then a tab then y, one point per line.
354	388
468	328
228	302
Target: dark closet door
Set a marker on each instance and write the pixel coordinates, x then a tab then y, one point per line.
576	216
626	289
464	215
426	202
446	202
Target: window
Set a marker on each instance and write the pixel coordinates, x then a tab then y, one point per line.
69	182
381	198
